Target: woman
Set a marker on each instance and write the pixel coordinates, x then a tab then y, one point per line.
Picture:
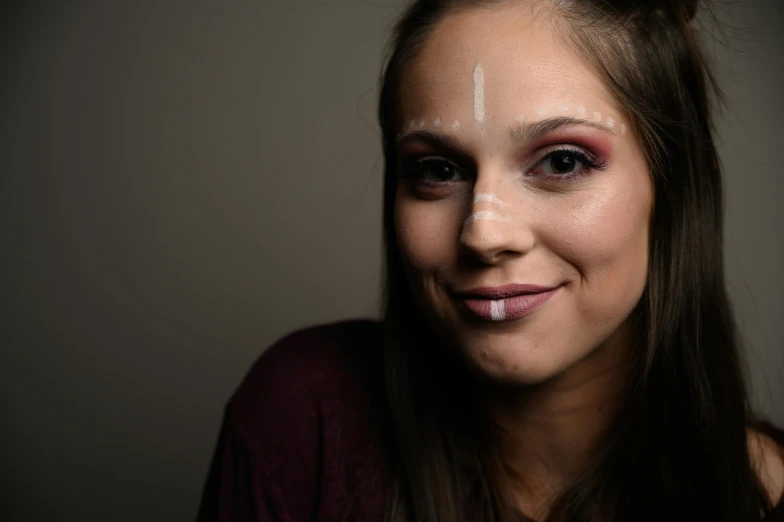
557	342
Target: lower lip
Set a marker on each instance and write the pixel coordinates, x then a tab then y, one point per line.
506	309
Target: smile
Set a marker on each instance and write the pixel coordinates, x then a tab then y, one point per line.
504	303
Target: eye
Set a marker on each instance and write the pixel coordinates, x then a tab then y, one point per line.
432	170
561	162
564	164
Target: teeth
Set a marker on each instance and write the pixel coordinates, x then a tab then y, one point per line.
497	310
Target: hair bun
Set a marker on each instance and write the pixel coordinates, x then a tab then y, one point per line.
685	9
681	10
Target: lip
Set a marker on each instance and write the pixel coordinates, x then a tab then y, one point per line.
506	302
502	292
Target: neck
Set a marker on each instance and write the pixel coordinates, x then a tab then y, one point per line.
549	432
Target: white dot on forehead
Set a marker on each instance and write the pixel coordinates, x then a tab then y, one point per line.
564	107
597	115
519	117
455	124
437	122
581	110
422	122
610	122
541	111
623	129
411	124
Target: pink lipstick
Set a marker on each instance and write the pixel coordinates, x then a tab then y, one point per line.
504	302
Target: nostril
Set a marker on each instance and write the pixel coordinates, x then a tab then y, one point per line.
488	236
478	259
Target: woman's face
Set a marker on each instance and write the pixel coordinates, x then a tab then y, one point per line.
517	167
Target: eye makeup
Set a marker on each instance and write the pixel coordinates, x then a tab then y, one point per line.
479	108
610	122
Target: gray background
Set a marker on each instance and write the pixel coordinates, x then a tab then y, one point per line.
181	183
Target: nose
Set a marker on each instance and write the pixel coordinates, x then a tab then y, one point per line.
496	229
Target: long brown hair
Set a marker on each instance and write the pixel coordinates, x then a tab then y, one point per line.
677	450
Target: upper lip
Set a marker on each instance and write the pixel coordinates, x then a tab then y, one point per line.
502	292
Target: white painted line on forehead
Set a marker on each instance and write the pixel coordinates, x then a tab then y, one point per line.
492	198
486	215
479	94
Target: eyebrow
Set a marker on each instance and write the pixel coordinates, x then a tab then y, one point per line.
519	133
535	130
438	141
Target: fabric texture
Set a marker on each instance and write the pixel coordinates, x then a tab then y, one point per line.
302	438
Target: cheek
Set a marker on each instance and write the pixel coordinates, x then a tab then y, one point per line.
606	240
426	233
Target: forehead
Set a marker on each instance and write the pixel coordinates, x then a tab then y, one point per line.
526	61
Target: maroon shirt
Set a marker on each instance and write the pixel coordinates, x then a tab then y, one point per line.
303	437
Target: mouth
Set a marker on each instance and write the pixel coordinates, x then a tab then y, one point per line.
506	302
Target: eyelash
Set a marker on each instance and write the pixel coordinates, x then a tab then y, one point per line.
412	169
590	163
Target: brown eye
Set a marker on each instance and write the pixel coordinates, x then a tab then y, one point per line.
562	162
432	170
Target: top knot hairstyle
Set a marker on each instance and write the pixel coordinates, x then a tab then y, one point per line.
677	450
684	10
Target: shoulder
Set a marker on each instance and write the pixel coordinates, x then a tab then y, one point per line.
304	369
311	413
305	422
767	457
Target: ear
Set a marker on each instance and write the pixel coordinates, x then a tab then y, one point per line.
767	458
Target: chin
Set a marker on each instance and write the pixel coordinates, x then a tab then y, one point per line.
515	364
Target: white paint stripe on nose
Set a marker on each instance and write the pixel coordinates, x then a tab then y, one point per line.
491	198
488	215
479	94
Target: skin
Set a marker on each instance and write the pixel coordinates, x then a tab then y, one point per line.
550	379
553	375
